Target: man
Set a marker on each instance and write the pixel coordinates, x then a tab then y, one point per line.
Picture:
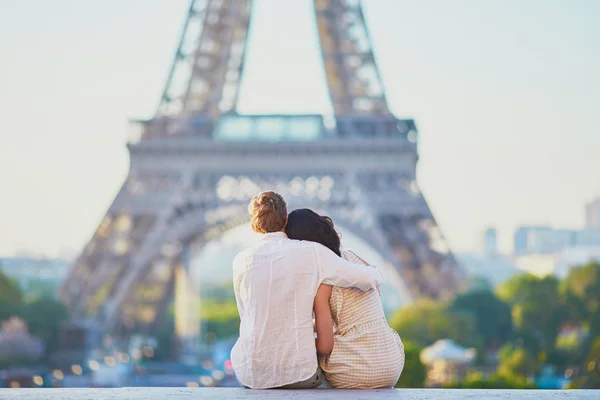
275	283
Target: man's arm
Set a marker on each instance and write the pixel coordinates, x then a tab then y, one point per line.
336	271
238	268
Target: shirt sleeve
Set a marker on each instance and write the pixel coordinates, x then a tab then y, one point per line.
237	277
336	271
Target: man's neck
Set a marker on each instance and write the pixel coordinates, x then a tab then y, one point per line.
274	234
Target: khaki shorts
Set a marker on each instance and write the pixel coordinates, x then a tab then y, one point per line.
310	383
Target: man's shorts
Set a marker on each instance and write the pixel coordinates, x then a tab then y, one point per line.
310	383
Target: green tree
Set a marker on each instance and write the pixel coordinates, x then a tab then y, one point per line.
220	318
581	290
522	288
516	362
592	366
478	283
165	336
39	288
537	310
9	309
589	370
580	293
218	291
426	321
44	316
584	282
414	372
492	316
10	298
9	289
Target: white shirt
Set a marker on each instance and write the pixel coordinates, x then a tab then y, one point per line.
275	284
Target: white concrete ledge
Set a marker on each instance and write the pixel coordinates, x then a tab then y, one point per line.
243	394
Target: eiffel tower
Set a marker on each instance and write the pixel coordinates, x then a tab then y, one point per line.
197	162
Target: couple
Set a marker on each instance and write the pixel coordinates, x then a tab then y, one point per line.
298	268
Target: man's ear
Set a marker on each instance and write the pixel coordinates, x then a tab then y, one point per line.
253	228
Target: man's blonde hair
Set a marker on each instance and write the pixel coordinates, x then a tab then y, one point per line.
268	212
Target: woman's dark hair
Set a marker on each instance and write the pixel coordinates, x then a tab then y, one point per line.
305	224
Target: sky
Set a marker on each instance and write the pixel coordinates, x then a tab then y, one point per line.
505	93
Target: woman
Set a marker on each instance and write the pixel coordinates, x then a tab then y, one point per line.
357	348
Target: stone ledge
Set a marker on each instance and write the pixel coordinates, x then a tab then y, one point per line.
149	393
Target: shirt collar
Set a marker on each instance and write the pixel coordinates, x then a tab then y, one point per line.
273	235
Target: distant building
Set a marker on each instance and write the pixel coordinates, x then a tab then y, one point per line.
520	240
559	263
531	240
574	256
494	269
30	271
490	242
592	214
587	237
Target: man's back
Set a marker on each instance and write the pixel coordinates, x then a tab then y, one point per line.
275	283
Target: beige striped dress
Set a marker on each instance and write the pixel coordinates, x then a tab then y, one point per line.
367	353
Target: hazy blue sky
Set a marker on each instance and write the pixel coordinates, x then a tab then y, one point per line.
506	94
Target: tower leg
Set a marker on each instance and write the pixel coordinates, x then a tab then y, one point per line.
187	314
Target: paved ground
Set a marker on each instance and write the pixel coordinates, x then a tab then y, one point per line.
329	394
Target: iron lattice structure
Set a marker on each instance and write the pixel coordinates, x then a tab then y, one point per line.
197	163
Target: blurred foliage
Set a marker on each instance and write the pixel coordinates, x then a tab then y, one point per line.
493	318
495	381
517	362
11	298
568	342
219	320
541	307
590	377
426	321
9	308
414	372
537	310
583	283
477	283
219	292
218	310
42	315
38	288
581	293
219	317
539	322
9	290
165	336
